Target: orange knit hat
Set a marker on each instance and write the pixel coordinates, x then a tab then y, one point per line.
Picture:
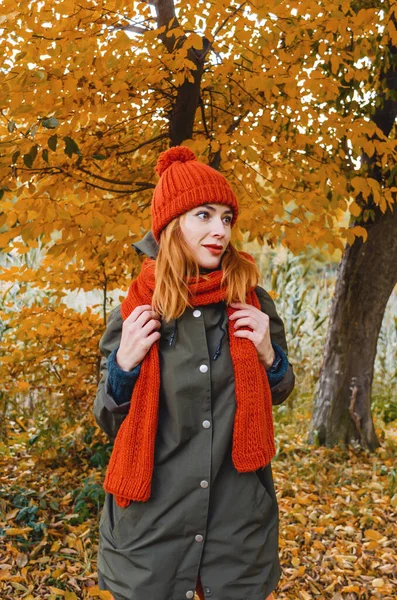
185	183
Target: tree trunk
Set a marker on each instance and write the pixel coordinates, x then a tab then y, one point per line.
184	106
367	275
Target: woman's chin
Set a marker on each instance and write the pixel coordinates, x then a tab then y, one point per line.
210	264
206	260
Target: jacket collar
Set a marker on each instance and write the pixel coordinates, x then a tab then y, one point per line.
148	245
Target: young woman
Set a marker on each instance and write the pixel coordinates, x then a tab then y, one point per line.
193	360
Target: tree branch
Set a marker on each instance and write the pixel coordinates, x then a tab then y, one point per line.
162	136
107	180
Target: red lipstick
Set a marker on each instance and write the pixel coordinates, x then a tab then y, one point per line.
213	248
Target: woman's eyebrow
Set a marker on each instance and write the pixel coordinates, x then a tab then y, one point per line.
214	209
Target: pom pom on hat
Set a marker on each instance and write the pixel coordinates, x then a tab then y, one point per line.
177	153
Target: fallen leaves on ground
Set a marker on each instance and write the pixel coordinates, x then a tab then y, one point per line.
337	520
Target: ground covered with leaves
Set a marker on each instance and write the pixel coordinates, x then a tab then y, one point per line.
337	513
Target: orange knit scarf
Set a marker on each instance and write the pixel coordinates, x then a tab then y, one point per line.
130	468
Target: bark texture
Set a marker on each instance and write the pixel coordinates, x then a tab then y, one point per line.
367	275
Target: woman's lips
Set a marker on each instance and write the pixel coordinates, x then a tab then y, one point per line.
214	249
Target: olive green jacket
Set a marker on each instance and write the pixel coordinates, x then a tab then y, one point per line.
203	516
110	415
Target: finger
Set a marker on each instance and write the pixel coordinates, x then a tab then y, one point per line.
144	317
156	335
246	333
150	325
238	314
156	315
249	321
138	310
251	310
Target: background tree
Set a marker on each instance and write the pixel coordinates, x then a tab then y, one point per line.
367	276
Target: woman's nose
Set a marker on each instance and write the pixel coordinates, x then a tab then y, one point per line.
219	228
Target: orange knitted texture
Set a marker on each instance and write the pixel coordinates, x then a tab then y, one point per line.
184	183
129	472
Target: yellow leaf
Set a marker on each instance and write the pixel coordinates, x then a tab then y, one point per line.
17	531
372	534
176	31
360	232
334	64
392	31
55	546
349	236
355	209
23	386
223	138
21	560
56	591
382	202
351	588
95	592
301	518
369	148
12	514
194	40
19	586
120	232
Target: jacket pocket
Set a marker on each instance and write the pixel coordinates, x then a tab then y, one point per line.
105	511
263	500
123	521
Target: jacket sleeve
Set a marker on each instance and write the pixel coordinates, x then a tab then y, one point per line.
282	389
278	369
120	383
109	413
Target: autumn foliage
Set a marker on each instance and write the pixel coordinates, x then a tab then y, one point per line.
283	107
278	96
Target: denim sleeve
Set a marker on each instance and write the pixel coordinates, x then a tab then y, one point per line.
279	367
121	383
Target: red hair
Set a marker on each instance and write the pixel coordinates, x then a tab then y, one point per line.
176	264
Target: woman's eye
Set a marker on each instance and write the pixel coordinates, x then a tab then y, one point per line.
228	219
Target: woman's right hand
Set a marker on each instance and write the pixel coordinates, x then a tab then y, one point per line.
137	336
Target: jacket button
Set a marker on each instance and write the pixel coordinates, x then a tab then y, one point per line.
206	424
204	483
198	537
203	368
190	594
197	313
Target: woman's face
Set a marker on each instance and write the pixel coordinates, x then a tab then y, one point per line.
205	226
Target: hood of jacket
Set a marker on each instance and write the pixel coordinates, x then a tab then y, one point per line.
147	245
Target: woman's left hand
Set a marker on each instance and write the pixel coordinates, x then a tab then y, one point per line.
246	314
